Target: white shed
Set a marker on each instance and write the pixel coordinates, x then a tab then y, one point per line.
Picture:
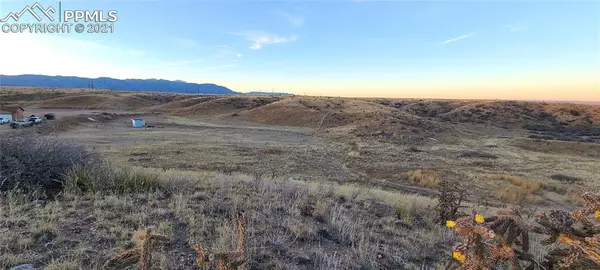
138	123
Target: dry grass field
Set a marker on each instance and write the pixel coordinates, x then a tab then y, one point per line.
326	183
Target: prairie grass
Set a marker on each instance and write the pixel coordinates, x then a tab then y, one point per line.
62	265
273	150
291	224
121	180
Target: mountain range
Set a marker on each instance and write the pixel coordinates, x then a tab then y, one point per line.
147	85
259	93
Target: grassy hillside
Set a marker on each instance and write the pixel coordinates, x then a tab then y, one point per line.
323	183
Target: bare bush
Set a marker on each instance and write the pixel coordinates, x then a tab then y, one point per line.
141	254
30	162
450	197
565	178
413	149
477	154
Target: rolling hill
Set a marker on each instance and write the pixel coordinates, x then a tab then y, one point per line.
399	120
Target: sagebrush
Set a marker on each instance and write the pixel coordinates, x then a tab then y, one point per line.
29	162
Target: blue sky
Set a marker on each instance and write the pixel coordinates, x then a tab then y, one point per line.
462	49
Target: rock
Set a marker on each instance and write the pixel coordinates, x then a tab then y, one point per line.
303	259
39	203
23	267
325	234
293	181
90	218
49	245
403	224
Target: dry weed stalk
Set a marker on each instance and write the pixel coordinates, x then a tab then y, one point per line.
229	260
142	252
450	198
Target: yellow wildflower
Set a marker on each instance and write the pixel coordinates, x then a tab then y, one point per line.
459	256
450	224
479	218
597	214
507	248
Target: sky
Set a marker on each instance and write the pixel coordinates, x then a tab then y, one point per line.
403	49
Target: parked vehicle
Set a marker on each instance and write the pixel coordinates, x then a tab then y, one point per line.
36	120
4	121
20	124
49	116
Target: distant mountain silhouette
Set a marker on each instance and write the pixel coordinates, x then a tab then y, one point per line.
148	85
259	93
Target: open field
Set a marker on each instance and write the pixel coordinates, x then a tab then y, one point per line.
535	155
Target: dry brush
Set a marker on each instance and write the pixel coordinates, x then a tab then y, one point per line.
228	260
141	254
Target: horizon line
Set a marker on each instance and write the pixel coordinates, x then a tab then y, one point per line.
592	102
581	102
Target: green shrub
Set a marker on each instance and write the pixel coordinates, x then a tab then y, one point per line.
129	180
101	180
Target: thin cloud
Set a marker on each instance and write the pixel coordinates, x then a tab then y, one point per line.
455	39
294	20
183	43
225	51
261	39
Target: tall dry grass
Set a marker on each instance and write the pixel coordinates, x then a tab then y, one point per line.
426	178
110	179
